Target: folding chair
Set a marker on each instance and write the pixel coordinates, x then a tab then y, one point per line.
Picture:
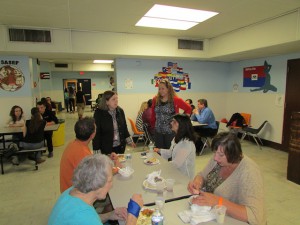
254	133
206	140
140	135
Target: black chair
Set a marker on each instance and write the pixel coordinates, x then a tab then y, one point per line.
207	139
254	133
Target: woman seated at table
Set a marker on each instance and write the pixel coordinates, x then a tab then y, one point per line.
92	180
233	179
33	133
182	150
16	120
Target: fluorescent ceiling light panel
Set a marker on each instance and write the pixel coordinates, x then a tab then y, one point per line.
177	13
164	23
171	17
103	61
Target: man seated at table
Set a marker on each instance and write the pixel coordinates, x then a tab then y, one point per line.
204	115
85	130
50	119
92	180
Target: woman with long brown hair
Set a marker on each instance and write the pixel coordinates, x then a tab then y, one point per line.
164	106
33	133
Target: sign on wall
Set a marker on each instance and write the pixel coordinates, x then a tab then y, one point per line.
259	76
178	78
11	76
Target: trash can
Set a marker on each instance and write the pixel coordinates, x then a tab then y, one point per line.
58	137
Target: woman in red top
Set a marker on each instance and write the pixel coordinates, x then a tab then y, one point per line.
164	105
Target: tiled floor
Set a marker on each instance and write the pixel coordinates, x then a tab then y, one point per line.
27	196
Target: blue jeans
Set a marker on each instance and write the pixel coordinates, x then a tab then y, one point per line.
31	146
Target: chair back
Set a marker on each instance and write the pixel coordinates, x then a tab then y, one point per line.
247	118
133	127
261	126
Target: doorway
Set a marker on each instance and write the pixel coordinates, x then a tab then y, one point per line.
85	85
292	102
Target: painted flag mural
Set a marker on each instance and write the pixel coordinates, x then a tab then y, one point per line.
254	76
179	79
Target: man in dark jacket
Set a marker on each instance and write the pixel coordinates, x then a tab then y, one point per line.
50	119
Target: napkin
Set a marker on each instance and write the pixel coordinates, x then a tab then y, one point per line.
197	214
151	177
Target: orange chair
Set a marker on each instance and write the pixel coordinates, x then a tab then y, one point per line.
140	135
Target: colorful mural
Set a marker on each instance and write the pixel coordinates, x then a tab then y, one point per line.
179	79
11	78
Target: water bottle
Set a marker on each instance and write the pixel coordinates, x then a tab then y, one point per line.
151	147
128	160
157	217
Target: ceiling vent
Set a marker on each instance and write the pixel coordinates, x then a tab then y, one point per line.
61	65
27	35
190	44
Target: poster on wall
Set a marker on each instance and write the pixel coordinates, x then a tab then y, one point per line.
11	76
179	79
45	75
260	77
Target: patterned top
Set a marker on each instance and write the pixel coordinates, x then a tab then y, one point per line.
139	122
213	180
116	140
164	113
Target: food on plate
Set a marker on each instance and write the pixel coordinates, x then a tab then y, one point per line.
145	217
157	179
147	212
121	158
151	161
115	169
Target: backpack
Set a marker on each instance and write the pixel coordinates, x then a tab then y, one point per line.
236	120
11	150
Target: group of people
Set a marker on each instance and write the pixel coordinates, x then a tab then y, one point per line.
33	134
71	96
229	175
86	179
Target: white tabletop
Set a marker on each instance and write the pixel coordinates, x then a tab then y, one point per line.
124	188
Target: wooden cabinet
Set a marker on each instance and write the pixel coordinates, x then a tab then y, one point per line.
293	170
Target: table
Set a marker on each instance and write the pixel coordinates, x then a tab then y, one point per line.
197	124
124	188
14	130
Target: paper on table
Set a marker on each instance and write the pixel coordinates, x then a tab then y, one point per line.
151	177
198	214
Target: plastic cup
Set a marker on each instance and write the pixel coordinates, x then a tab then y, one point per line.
170	184
160	202
220	212
149	155
160	187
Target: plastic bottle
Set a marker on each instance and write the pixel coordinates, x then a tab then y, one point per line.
151	147
128	160
157	217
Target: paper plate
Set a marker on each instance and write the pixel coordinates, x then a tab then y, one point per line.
149	186
145	216
152	161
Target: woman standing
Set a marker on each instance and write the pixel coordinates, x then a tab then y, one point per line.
165	105
72	99
183	150
66	98
112	133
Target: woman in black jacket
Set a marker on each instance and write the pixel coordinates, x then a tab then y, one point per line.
112	134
